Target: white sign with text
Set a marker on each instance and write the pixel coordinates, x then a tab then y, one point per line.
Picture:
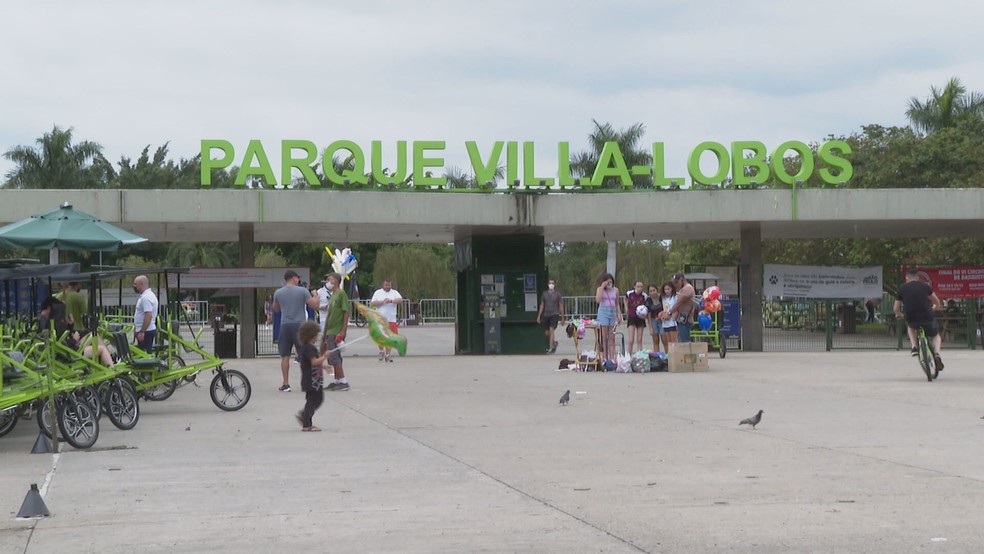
807	281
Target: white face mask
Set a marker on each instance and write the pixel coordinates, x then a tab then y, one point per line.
551	286
329	285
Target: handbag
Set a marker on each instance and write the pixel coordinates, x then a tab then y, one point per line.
684	318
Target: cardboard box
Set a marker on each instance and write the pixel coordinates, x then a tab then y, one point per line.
688	357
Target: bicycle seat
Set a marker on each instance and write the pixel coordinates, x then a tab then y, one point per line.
126	356
11	371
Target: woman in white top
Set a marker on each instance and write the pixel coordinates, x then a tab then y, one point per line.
669	299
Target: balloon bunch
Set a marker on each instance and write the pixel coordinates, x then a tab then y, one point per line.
711	305
343	261
712	293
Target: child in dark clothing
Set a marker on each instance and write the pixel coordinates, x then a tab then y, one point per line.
312	377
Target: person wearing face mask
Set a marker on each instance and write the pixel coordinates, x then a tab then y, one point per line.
145	314
324	295
550	314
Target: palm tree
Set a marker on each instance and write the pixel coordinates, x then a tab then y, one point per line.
56	163
945	107
583	163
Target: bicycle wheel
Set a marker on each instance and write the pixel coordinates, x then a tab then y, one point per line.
8	420
122	407
925	357
158	392
230	390
44	418
78	423
90	395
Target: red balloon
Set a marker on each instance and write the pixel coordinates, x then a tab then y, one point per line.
712	293
713	306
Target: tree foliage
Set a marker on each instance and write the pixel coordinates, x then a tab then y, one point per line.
58	163
945	108
629	140
417	270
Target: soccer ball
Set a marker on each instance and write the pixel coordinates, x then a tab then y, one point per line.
642	311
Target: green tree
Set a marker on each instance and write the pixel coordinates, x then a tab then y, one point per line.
945	107
200	254
418	270
458	178
576	266
58	163
158	172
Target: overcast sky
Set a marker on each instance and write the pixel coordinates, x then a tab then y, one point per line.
132	74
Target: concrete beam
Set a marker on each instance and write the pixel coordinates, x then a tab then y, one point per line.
429	217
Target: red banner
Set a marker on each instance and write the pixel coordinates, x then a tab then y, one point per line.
956	282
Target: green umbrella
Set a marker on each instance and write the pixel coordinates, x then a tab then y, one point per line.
68	229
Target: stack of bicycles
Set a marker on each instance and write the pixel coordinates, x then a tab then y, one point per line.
45	379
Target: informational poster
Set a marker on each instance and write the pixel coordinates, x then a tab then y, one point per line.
956	282
496	283
806	281
530	292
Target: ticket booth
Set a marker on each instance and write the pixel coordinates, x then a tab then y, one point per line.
511	269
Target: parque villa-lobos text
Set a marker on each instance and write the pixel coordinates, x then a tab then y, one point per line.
745	162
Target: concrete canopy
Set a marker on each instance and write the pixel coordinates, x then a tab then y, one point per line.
436	217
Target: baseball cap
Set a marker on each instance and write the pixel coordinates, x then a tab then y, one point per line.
290	274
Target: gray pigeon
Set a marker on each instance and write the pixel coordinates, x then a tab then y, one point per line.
566	398
754	420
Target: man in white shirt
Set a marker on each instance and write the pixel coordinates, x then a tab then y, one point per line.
145	314
386	300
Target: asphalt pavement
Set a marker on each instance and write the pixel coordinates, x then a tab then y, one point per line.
856	452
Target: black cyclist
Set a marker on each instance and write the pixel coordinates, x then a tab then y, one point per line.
920	301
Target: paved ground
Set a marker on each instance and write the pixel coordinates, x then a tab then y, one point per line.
856	453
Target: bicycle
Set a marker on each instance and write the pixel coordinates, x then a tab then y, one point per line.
356	317
925	354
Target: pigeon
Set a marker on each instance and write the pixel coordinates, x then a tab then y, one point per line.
566	398
754	420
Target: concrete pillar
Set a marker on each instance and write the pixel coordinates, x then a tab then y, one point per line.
247	297
751	287
611	261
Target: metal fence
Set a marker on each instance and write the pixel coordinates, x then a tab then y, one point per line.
580	307
435	310
788	325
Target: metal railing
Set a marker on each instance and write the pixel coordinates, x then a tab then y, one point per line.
580	307
435	310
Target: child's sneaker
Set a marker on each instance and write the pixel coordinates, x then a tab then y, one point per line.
284	388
